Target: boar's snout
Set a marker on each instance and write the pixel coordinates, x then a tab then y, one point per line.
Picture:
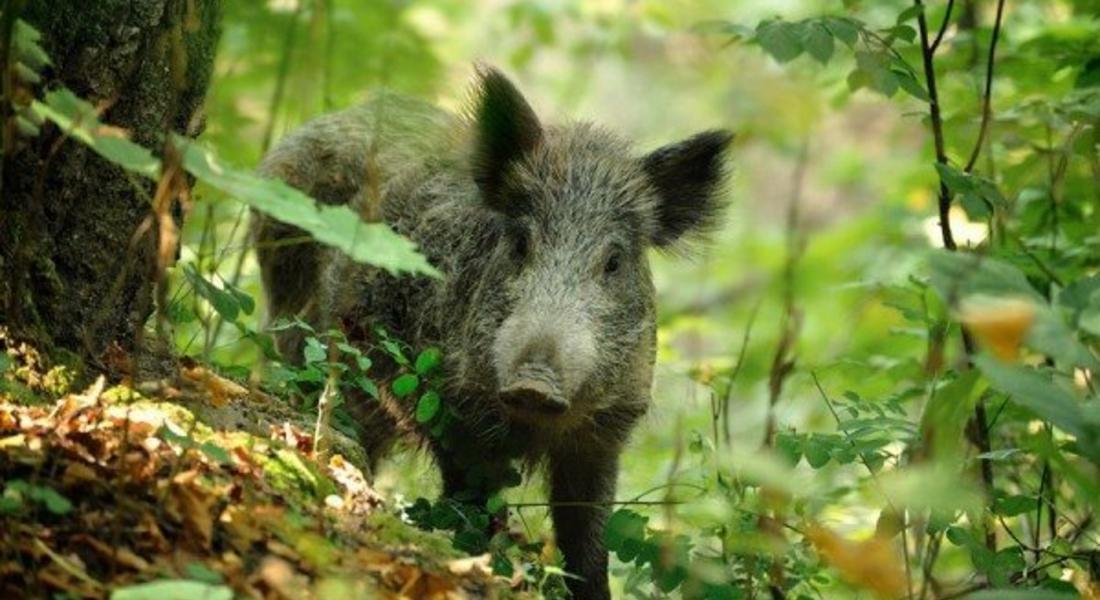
535	389
542	357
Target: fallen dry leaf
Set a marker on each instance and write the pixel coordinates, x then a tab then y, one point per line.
192	505
871	564
999	324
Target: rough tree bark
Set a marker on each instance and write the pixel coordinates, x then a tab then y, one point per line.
75	274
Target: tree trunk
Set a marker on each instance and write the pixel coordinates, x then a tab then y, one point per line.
76	261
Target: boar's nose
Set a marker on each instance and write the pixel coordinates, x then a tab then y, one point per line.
535	389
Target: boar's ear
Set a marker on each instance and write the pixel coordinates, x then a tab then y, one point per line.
505	128
689	176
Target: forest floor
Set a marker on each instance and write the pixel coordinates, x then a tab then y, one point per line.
167	489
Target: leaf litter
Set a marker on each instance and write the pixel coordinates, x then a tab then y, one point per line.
114	493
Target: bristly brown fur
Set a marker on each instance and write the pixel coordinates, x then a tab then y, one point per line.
541	232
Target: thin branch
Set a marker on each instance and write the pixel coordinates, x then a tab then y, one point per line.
281	79
937	126
980	421
737	371
943	27
987	96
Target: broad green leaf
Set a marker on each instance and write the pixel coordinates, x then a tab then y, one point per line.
909	83
337	226
779	39
53	501
428	407
428	360
817	450
1011	594
79	120
902	32
495	504
817	40
224	302
909	13
200	572
946	414
1010	506
314	351
1027	388
845	29
215	453
934	487
405	385
789	445
173	589
956	275
624	526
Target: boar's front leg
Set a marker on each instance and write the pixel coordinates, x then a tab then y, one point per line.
582	485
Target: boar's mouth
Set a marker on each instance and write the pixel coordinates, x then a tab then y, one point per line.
534	391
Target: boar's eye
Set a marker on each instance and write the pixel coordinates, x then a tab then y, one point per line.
519	245
614	261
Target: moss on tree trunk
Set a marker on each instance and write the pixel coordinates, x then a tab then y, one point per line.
75	262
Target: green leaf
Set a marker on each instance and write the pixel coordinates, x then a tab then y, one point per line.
173	589
902	32
818	41
817	449
244	301
394	350
957	275
1010	506
215	453
1027	388
789	446
405	385
624	527
315	351
959	536
79	120
224	302
337	226
495	504
910	13
910	85
428	360
845	29
367	385
947	413
53	501
428	406
199	572
780	39
1007	594
26	45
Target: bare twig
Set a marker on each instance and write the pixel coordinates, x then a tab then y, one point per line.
783	362
987	111
943	27
735	371
937	126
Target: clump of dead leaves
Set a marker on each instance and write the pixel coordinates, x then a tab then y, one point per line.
107	493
